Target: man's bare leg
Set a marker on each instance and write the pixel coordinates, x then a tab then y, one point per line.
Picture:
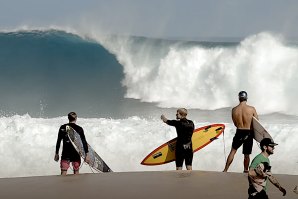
230	159
178	168
246	163
63	173
188	167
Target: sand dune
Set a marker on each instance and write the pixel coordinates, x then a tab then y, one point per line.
143	185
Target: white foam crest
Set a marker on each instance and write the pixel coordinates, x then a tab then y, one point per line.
193	76
210	78
29	28
28	145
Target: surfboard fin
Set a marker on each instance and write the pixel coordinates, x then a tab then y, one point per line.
157	155
207	128
214	138
218	129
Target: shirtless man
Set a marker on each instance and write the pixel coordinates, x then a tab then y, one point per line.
242	118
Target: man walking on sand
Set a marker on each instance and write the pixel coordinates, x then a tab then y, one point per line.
260	172
242	116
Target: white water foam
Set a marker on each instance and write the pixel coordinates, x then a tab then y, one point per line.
28	145
195	76
174	74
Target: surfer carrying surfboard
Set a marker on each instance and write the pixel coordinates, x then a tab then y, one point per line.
184	128
69	153
242	116
260	172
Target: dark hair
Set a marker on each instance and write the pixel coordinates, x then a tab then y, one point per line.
72	116
242	96
267	142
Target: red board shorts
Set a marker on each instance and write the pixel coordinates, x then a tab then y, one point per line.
64	165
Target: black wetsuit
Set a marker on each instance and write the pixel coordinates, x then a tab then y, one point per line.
184	150
68	152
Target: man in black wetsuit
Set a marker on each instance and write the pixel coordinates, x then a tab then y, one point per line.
184	128
242	116
69	154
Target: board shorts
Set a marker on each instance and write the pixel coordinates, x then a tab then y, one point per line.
253	194
245	137
65	164
184	153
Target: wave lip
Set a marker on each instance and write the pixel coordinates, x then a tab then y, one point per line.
166	73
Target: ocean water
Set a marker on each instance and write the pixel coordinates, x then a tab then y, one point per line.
120	85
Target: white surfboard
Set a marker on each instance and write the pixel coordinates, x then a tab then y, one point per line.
96	162
259	131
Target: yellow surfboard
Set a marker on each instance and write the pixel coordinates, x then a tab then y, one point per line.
200	138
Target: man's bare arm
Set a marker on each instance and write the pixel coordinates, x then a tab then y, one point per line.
274	181
255	113
163	118
233	117
257	172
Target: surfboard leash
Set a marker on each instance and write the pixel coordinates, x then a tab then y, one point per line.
91	168
223	133
87	164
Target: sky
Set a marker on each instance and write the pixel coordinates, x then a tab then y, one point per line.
157	18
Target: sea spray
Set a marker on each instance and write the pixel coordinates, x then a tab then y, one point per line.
28	145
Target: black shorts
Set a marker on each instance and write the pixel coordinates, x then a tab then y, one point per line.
252	194
184	154
245	137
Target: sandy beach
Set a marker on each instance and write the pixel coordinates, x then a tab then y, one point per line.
153	185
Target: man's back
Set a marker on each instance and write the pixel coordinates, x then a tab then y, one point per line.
242	118
184	128
242	115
